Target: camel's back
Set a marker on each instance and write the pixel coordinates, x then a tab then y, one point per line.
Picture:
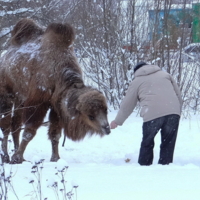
36	62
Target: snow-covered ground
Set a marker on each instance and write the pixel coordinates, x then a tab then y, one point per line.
98	167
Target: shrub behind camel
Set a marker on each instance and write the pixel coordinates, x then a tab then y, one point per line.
40	72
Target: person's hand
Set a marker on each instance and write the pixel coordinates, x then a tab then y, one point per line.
113	125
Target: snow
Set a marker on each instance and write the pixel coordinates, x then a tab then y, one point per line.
61	164
1	135
16	11
107	168
29	48
4	31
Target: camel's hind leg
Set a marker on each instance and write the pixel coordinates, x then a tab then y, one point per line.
16	125
34	117
5	124
54	134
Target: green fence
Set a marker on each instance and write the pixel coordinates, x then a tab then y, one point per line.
196	23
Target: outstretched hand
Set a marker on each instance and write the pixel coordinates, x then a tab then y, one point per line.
113	125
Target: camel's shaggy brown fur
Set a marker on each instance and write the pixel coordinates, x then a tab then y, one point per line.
25	30
40	72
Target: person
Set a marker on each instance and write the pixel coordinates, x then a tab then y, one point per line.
161	102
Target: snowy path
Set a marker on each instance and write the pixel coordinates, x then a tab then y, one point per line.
98	166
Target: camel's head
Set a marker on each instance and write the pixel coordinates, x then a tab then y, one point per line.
93	108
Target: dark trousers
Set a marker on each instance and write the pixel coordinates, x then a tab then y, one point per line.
169	127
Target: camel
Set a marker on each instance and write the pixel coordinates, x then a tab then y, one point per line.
40	72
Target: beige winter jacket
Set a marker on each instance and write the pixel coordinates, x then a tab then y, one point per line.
157	93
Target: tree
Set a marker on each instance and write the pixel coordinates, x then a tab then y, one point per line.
113	35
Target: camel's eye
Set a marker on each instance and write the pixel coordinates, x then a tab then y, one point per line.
91	117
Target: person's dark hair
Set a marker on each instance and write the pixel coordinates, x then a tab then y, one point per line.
140	64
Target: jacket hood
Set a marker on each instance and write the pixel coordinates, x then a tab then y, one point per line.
146	70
